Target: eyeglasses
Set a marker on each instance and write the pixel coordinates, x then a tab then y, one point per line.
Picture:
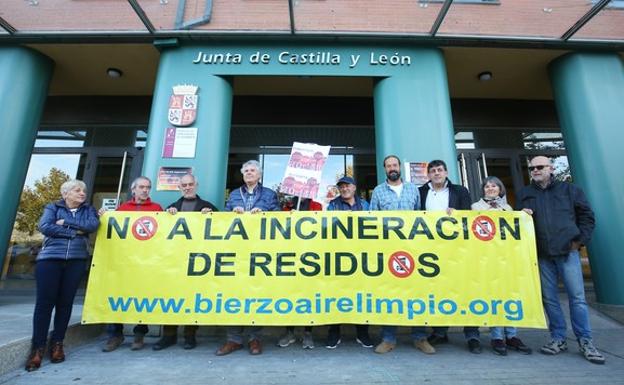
540	167
187	184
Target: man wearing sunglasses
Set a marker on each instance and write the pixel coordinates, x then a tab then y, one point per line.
564	222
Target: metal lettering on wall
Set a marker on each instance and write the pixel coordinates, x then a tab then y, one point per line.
307	58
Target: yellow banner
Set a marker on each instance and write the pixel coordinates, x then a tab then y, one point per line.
314	268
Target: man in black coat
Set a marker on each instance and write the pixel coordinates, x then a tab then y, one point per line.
439	194
189	201
564	222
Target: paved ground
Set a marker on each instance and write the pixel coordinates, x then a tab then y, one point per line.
348	364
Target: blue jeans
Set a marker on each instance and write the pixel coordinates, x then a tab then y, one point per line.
470	332
388	333
500	333
567	268
57	283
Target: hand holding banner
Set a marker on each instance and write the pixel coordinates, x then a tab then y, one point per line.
314	268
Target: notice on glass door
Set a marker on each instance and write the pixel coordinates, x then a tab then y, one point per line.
416	172
180	142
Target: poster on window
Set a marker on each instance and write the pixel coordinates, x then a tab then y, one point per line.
304	170
416	172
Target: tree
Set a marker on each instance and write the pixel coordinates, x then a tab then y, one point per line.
32	201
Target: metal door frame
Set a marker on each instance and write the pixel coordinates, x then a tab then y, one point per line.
93	153
474	175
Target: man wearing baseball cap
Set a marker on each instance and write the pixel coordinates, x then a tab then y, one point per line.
348	200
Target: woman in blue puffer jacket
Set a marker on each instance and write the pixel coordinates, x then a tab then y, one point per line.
66	225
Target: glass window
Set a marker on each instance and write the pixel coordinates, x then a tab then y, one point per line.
608	24
141	139
464	140
66	138
46	172
219	15
543	141
366	16
67	15
536	19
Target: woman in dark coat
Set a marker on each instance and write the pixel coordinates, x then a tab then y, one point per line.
60	266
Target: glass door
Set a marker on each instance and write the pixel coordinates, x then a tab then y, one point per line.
510	166
99	168
109	171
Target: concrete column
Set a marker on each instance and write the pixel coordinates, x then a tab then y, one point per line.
589	90
24	79
213	122
413	115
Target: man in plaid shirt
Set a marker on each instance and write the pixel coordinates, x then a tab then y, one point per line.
394	194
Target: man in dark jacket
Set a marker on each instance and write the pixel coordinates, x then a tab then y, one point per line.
439	194
564	222
189	201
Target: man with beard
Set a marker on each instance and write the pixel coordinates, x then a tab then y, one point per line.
393	194
439	194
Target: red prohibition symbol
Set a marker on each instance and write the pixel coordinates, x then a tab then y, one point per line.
144	228
401	264
483	228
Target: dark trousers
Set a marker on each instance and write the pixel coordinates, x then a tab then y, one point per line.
115	330
57	283
172	330
360	330
470	332
305	328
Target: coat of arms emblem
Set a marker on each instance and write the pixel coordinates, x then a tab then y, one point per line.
183	105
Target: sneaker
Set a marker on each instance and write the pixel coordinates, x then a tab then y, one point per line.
554	347
435	339
517	344
364	340
499	347
424	346
474	346
590	352
333	340
139	342
164	342
308	341
384	347
113	343
286	340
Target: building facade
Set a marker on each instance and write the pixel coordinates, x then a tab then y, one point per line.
110	90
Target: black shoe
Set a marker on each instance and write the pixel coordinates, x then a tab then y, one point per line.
474	346
499	347
365	341
189	343
517	344
333	340
435	339
164	342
